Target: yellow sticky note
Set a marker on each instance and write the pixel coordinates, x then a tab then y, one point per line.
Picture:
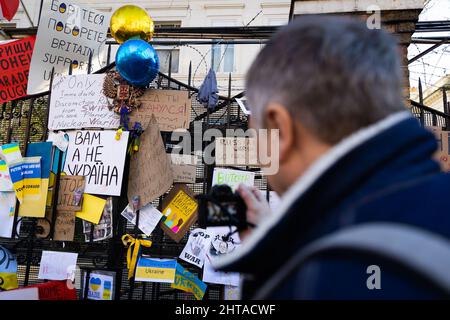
92	208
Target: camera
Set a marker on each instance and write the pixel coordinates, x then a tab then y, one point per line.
222	207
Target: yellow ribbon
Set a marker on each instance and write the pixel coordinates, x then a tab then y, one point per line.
134	246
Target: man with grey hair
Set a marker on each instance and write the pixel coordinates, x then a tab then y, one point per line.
356	173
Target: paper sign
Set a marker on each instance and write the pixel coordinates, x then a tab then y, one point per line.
64	226
35	207
149	217
59	140
8	270
217	248
92	208
184	168
20	294
7	210
57	265
186	281
100	285
232	177
55	290
67	34
155	270
179	212
99	157
150	170
26	177
5	179
78	101
70	195
236	151
195	250
172	109
15	60
11	152
102	230
231	293
274	201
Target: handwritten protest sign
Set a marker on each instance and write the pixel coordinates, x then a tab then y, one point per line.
64	226
155	270
236	151
56	265
172	109
67	35
15	60
184	168
149	217
150	171
55	290
99	157
232	177
186	281
179	212
78	101
71	190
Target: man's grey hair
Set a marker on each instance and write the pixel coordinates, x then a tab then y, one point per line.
333	74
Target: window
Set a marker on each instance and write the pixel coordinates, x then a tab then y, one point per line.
165	51
222	57
164	59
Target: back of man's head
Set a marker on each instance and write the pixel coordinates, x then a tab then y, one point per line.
334	75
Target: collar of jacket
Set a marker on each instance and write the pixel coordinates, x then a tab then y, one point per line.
332	179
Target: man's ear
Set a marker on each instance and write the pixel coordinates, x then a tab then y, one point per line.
278	117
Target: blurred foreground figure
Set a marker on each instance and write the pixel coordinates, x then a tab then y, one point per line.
365	208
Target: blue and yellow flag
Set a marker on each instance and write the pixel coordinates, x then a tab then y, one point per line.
186	281
8	270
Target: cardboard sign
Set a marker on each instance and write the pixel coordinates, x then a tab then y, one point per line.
172	109
99	157
70	195
236	151
232	177
8	270
7	210
101	285
150	170
184	168
56	265
188	282
155	270
195	250
179	212
149	217
219	247
92	208
78	101
35	207
67	34
5	178
64	226
15	60
442	154
55	290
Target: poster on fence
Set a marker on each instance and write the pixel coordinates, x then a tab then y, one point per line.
232	177
68	34
172	109
155	270
35	206
15	60
99	157
77	101
236	151
7	210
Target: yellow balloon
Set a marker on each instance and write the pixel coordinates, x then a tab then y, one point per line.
131	21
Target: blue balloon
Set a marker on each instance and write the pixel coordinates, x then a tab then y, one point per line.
137	62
